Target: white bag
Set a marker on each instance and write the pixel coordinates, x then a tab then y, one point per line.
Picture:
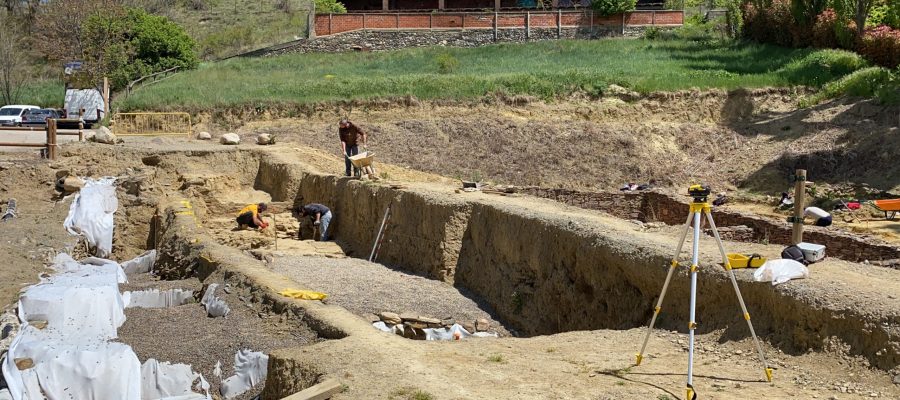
780	271
91	214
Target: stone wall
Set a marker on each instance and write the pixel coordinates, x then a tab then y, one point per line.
369	40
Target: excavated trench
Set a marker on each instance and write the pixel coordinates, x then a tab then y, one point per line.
540	270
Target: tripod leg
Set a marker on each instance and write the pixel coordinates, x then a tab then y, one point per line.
662	295
692	324
737	291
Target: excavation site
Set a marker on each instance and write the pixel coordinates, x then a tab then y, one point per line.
487	255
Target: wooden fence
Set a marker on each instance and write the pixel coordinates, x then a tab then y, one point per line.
51	130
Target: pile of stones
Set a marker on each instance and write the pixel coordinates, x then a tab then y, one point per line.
411	325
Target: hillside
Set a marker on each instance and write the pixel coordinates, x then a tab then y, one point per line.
545	69
227	27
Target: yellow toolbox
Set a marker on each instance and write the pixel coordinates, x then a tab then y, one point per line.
745	260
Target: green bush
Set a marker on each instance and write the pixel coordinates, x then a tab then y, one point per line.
822	66
612	7
330	7
446	63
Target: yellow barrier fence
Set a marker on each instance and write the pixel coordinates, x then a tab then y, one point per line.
152	124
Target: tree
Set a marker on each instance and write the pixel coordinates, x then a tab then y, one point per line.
612	7
806	11
856	10
12	65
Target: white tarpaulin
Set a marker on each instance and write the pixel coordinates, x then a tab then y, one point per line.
250	368
165	381
91	214
215	307
154	298
141	264
58	366
780	271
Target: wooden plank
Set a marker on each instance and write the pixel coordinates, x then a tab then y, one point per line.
41	145
799	200
320	391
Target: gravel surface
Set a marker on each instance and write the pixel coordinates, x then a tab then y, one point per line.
368	288
184	334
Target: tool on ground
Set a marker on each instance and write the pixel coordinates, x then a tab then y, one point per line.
10	211
700	205
379	237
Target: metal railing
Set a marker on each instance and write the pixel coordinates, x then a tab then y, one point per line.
151	124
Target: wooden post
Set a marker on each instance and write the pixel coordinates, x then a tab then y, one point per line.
397	21
330	18
51	139
653	17
364	28
311	25
80	131
431	21
591	24
623	24
799	200
463	23
105	97
527	25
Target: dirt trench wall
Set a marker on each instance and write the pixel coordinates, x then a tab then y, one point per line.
545	272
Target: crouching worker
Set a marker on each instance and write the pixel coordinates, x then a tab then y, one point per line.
249	216
318	214
823	218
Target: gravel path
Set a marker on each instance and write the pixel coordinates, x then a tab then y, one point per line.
368	288
184	334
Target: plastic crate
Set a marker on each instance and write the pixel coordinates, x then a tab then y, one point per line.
738	260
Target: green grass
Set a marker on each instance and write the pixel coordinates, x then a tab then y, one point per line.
546	70
47	93
876	82
410	393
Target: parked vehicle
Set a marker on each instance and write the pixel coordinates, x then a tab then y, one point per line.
11	115
39	117
85	102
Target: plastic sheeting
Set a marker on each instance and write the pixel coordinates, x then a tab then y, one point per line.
455	332
165	381
780	271
157	299
91	214
215	307
250	368
142	264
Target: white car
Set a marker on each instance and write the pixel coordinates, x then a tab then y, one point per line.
12	115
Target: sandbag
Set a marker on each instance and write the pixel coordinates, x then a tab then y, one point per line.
141	264
780	271
166	381
91	214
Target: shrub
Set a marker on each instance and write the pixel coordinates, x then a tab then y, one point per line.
824	30
446	63
882	46
651	33
330	7
612	7
774	24
867	82
823	66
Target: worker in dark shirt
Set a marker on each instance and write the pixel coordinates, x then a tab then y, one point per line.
351	135
318	214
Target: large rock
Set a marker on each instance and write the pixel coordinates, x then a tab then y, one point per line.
69	184
230	138
622	93
105	136
482	325
204	136
265	138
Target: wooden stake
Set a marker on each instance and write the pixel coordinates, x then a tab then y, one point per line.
799	201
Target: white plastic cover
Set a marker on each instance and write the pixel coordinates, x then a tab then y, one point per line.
154	298
91	214
165	381
780	271
455	332
66	368
141	264
250	368
215	307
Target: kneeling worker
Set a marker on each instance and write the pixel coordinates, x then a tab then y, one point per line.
823	218
249	216
319	215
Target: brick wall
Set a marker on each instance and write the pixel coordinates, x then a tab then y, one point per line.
655	206
329	24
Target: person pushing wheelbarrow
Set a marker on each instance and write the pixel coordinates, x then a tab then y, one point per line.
350	135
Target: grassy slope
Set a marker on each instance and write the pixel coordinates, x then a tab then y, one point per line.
227	27
544	69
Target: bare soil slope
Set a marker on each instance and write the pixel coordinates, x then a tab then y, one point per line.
735	139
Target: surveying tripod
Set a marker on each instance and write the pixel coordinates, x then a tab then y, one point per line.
699	205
